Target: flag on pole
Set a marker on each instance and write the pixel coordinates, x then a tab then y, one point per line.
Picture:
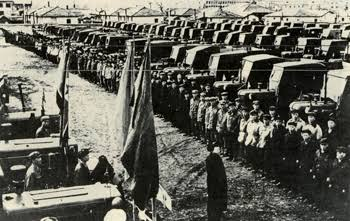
123	107
62	97
140	157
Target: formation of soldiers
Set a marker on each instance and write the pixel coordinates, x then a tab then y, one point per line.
303	154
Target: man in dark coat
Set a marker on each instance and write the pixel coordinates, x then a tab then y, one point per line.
82	173
217	185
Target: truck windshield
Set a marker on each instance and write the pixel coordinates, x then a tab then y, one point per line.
214	63
335	88
275	78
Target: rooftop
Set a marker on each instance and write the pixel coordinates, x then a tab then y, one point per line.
302	12
217	13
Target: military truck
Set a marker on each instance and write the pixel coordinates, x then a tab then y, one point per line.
255	69
288	81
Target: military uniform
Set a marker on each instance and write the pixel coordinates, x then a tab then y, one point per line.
231	124
212	121
193	113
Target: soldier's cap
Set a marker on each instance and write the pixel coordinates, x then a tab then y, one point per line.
162	73
253	113
44	118
79	52
34	155
342	149
170	73
238	99
208	84
266	117
292	123
272	108
304	131
256	102
100	54
202	94
195	92
224	94
83	152
182	85
324	141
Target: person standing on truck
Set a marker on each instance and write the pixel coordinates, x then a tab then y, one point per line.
44	129
82	173
34	179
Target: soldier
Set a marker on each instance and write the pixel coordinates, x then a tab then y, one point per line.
80	62
339	178
44	129
264	144
201	116
194	86
179	79
231	125
257	109
332	136
224	96
292	140
216	184
277	142
305	157
272	113
99	69
242	134
173	93
296	119
212	121
180	106
313	127
81	173
206	118
186	110
208	91
194	104
220	129
103	172
34	177
252	136
320	170
108	76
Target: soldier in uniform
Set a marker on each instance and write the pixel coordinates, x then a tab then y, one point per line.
173	96
277	142
194	104
224	96
216	184
209	91
296	119
34	177
44	129
320	171
108	76
242	134
312	126
179	107
332	136
273	113
103	172
339	178
212	121
292	140
264	144
81	173
252	137
257	109
220	129
231	125
305	157
201	116
186	111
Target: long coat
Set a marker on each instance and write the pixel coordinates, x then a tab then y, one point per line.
81	174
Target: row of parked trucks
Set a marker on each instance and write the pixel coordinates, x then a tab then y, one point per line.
279	64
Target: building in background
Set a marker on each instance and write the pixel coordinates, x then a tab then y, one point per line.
216	15
13	11
250	11
139	15
57	15
222	3
301	15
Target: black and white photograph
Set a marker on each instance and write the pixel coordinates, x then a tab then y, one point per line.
174	110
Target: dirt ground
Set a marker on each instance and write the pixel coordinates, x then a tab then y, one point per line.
181	158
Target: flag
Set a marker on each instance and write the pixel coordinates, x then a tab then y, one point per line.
140	157
123	107
62	97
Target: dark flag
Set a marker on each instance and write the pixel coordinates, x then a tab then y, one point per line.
140	157
123	107
62	97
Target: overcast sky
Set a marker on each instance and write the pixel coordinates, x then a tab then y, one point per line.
118	3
